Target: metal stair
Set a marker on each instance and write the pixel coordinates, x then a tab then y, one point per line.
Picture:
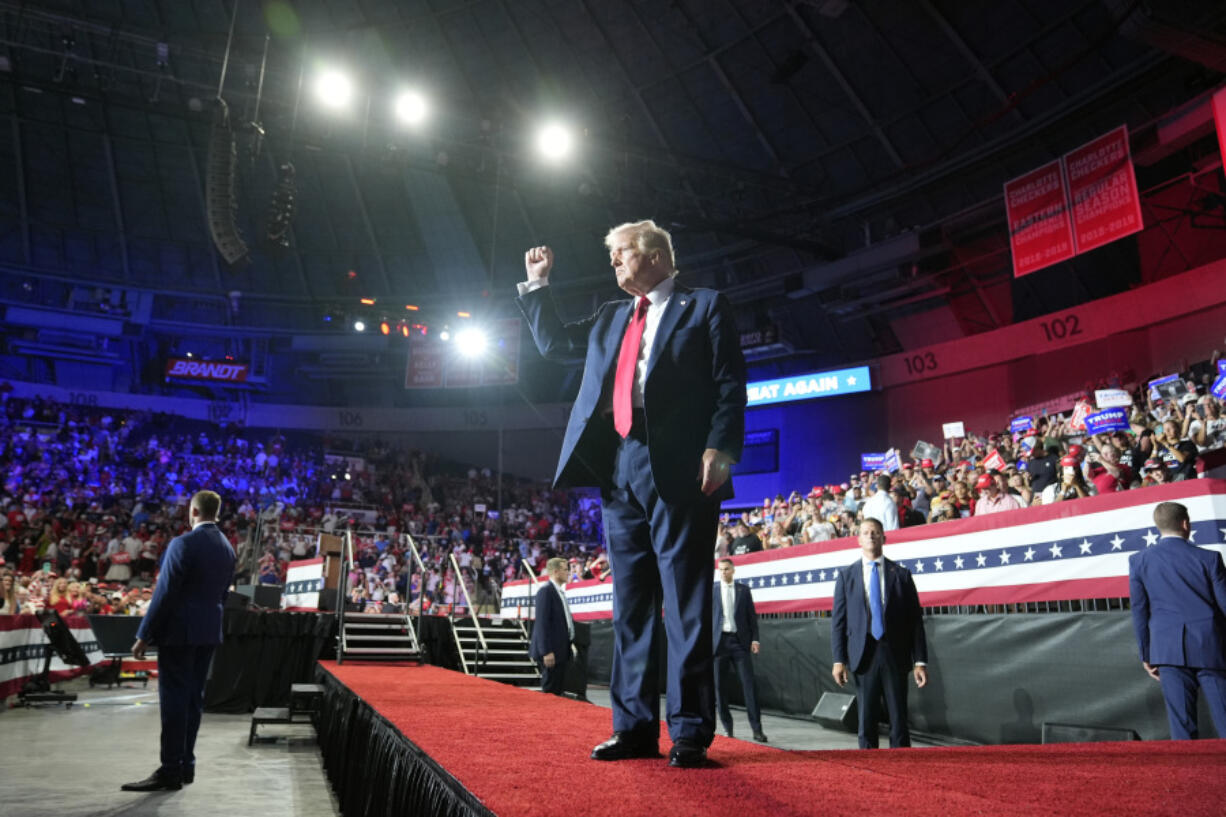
496	649
378	637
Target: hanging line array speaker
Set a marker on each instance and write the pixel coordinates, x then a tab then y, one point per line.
220	200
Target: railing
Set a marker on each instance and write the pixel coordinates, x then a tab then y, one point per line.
421	593
483	653
341	599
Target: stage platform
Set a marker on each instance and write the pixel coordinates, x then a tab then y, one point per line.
425	740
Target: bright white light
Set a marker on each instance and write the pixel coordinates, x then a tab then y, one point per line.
554	141
411	108
333	89
470	342
359	326
444	336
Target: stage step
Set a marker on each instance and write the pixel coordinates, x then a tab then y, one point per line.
498	651
377	637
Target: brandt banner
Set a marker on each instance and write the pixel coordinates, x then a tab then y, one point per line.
218	370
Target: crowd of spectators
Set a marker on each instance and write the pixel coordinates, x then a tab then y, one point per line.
91	497
1056	460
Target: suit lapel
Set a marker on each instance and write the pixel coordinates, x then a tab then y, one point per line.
681	302
613	337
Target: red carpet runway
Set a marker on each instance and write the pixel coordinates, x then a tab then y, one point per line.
524	754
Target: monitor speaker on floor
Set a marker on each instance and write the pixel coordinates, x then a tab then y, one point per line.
836	711
1074	733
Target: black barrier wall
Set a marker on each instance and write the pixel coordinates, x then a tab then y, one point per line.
992	678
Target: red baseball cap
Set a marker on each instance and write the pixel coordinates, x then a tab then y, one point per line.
984	481
1076	451
925	463
1068	461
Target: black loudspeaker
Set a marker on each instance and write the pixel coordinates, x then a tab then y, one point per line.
268	596
1074	733
220	201
836	711
237	601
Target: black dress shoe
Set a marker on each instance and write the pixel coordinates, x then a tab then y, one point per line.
154	782
759	736
189	774
626	745
686	754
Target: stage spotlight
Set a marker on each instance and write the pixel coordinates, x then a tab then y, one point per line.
554	141
470	342
404	329
359	326
385	328
444	335
333	89
411	108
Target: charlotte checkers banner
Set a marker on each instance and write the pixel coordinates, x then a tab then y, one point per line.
304	579
1068	550
24	647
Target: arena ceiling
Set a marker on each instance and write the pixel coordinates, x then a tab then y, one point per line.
818	160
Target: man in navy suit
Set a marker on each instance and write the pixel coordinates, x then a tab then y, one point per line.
659	420
184	622
877	630
735	633
554	630
1179	613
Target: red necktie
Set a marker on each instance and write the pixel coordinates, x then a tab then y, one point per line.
627	362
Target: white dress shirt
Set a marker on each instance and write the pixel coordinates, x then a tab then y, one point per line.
570	622
867	566
882	508
657	302
727	592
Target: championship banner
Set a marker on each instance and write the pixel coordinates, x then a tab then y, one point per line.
1059	552
24	647
304	580
437	363
216	370
1102	187
1112	419
1040	230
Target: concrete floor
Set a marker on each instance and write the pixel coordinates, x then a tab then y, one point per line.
71	762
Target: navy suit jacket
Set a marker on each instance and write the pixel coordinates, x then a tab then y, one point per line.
187	602
743	614
693	397
904	618
549	633
1179	604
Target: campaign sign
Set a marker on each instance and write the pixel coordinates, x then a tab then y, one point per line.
1077	421
925	451
1221	366
1027	443
1110	398
1021	424
994	461
1170	387
952	430
808	386
1219	387
1113	419
872	462
891	461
